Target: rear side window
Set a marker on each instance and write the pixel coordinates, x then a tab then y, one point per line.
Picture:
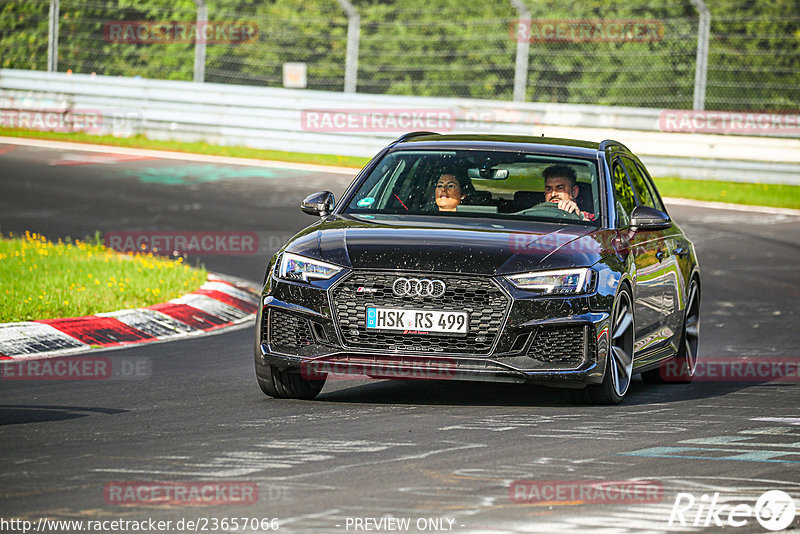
639	185
623	195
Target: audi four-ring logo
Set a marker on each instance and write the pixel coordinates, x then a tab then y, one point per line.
416	287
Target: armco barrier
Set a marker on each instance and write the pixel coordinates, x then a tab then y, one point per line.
278	119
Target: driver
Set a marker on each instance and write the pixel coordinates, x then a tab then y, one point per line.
449	192
561	187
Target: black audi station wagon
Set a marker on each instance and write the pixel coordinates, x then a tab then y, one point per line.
475	257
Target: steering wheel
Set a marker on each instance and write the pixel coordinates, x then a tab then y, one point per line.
550	209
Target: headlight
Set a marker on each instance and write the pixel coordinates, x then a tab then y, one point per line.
563	282
294	267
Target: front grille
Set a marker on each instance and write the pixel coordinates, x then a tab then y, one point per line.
480	297
561	347
287	332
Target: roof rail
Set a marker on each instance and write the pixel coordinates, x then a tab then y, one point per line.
610	142
409	135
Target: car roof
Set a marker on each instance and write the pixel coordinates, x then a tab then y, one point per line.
522	143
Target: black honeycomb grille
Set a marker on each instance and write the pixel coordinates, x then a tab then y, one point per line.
480	297
561	347
288	332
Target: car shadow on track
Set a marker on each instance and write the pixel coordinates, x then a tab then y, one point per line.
23	414
642	393
439	392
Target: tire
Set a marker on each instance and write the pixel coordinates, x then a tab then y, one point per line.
619	361
681	369
286	384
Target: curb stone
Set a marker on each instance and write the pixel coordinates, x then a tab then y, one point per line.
220	303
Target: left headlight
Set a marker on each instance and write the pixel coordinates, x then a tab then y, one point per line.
294	267
561	282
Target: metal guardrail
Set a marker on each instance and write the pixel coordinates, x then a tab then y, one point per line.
277	119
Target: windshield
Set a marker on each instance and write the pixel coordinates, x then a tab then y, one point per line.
471	183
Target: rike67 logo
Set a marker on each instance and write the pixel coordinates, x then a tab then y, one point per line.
774	510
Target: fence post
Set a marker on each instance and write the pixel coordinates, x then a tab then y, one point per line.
52	37
701	68
200	43
353	35
523	46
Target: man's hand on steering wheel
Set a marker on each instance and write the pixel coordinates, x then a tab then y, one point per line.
569	206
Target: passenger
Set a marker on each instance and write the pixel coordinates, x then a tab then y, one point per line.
561	186
449	192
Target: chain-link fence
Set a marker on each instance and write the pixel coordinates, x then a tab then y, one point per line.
618	53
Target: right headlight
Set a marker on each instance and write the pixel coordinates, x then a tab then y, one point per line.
560	282
295	267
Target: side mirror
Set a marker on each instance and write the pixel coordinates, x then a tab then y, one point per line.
320	203
647	218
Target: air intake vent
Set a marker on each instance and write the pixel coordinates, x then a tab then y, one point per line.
563	347
287	332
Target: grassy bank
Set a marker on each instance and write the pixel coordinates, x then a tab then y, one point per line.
46	280
773	195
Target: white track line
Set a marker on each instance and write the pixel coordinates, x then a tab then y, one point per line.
184	156
726	206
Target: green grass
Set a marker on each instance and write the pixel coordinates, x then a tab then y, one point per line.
774	195
46	280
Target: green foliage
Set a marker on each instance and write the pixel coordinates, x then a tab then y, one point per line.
23	35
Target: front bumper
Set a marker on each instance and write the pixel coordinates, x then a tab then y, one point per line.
297	328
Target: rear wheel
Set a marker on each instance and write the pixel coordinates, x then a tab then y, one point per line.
682	368
288	384
619	360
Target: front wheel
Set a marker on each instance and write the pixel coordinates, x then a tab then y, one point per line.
287	384
619	360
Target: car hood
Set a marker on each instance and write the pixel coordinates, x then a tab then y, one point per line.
467	246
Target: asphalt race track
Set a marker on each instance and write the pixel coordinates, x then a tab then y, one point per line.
441	455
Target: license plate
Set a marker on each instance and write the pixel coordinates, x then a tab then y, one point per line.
417	321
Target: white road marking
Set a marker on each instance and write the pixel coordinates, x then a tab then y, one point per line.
164	154
787	420
773	430
726	206
275	454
